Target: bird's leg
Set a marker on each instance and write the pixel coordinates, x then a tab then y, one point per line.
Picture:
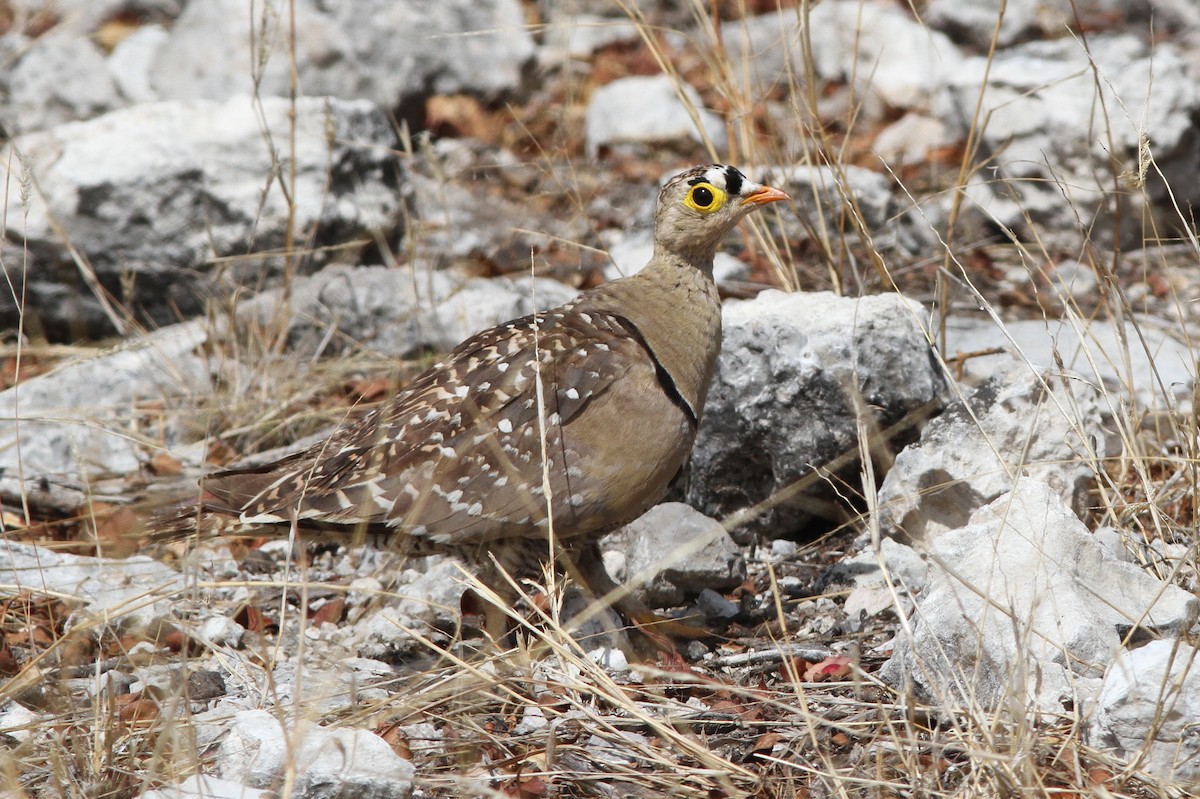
495	623
498	593
587	567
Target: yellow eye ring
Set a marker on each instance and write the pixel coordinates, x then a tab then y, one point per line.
705	198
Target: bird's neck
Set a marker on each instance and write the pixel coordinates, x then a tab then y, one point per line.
676	309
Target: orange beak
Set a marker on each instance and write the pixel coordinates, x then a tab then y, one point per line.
763	195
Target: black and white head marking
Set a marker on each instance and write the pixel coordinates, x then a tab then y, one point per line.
728	178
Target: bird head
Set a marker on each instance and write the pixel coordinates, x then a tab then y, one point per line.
696	208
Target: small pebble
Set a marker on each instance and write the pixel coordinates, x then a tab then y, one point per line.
610	658
715	607
791	586
222	631
782	548
204	685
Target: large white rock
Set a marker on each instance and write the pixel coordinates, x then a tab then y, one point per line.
1149	709
124	593
1018	20
1023	605
260	752
672	552
649	110
385	51
881	48
56	78
199	786
570	34
1056	114
876	45
1138	360
151	196
1019	422
977	22
61	429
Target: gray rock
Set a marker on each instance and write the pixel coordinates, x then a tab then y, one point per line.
463	218
361	680
782	549
1021	603
390	52
716	608
765	51
74	424
1113	542
127	594
1019	422
910	139
61	77
153	195
649	110
426	740
19	722
877	46
396	311
434	596
793	370
1076	283
1042	98
1099	350
673	551
222	631
880	579
204	685
259	751
364	591
484	302
975	23
533	719
109	685
132	60
572	35
1148	710
326	681
848	199
883	49
200	786
430	603
596	627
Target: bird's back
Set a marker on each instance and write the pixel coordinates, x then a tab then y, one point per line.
470	449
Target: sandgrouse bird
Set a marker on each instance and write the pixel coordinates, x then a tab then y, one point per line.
581	415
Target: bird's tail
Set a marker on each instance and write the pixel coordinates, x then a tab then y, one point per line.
190	519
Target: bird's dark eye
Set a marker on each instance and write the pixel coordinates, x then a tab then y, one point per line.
705	198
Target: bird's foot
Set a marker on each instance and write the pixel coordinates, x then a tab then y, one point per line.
655	624
653	628
658	630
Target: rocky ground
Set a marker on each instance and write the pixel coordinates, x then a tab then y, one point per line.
940	515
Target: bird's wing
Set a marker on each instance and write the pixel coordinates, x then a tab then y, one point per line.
458	454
